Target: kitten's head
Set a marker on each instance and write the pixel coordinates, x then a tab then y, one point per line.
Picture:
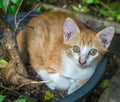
86	46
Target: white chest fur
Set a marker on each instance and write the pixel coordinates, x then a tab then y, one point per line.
75	71
71	76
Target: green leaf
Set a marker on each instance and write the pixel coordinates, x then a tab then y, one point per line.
106	12
105	83
83	9
75	8
44	9
21	100
114	5
48	96
91	1
118	18
110	18
97	1
2	98
3	4
3	63
118	14
16	1
30	2
12	9
29	100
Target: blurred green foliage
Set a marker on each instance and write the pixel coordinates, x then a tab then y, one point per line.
48	96
26	5
3	63
3	4
44	9
23	100
12	7
105	83
107	8
2	98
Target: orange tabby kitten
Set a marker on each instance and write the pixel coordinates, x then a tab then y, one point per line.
62	50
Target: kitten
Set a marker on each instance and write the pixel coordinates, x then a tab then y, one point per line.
62	50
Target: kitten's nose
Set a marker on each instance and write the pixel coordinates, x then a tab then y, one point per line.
82	62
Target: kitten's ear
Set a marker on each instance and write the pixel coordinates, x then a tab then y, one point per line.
70	28
106	35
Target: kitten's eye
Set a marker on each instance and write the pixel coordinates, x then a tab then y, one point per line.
92	52
76	49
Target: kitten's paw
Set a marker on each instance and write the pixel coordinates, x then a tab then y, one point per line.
74	87
51	85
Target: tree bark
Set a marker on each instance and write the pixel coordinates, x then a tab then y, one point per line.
11	46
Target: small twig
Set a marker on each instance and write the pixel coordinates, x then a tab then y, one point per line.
11	46
34	82
1	75
15	17
1	86
61	94
20	20
9	89
7	3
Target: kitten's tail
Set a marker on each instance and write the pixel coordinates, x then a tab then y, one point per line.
15	75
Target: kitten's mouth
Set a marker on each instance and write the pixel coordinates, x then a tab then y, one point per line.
82	66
